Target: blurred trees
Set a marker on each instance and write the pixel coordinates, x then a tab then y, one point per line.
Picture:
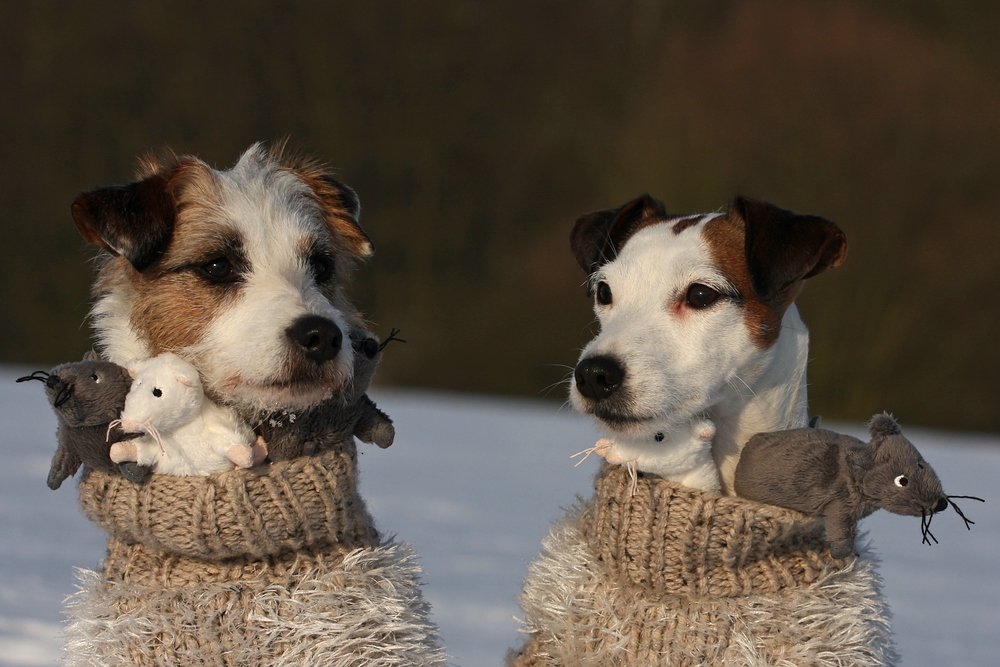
476	133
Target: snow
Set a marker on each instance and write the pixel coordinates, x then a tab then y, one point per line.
473	483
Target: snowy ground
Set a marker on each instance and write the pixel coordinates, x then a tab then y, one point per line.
473	483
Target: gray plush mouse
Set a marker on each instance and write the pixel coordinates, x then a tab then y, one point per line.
841	479
86	396
350	413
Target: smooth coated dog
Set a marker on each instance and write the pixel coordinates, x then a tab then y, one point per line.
239	272
697	320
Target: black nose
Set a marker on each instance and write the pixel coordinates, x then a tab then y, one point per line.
317	337
598	377
942	505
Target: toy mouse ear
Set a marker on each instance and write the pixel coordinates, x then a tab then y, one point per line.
783	248
883	425
135	221
184	381
597	237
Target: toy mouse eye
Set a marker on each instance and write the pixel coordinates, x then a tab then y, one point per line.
901	481
603	293
701	296
157	392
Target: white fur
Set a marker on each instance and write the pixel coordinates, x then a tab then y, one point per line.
243	353
684	457
682	363
184	432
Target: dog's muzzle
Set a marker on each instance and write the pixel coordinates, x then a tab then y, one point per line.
598	378
318	338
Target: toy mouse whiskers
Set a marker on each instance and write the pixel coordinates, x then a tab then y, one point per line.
926	516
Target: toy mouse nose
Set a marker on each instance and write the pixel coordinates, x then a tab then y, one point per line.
941	505
598	377
317	337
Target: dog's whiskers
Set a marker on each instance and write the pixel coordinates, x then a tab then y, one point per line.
558	383
737	377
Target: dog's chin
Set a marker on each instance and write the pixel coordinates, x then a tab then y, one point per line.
625	425
280	396
635	426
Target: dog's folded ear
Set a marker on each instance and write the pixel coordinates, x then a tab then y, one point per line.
783	248
342	211
135	221
597	237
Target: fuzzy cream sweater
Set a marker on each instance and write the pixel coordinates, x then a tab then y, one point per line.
674	576
276	565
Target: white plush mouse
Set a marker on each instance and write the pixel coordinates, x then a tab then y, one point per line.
683	456
184	433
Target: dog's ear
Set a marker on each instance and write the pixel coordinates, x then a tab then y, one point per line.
342	209
783	248
135	221
597	237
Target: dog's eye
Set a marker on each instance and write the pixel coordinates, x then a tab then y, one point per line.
321	267
219	269
901	481
96	378
603	293
701	296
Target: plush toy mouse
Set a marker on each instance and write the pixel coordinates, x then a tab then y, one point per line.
87	396
684	456
841	479
348	413
183	432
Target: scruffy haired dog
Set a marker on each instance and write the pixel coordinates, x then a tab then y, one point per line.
237	271
240	273
697	319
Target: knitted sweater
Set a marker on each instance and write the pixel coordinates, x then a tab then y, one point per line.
275	565
674	576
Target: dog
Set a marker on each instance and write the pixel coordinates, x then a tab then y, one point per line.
239	272
697	320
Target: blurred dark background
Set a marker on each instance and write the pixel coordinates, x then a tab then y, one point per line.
477	132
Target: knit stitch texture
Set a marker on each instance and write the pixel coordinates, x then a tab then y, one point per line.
275	565
674	576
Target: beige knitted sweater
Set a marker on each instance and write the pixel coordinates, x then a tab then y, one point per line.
276	565
674	576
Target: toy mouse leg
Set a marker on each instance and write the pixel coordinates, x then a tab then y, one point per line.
841	529
133	472
64	464
242	455
373	425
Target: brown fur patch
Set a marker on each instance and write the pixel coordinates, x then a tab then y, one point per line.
681	225
338	203
727	245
